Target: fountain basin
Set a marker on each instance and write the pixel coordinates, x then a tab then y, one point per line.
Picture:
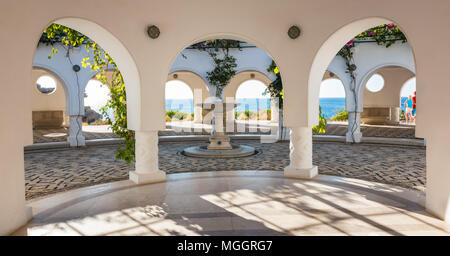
235	151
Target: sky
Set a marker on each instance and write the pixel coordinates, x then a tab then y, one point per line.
332	88
97	95
408	88
46	82
252	89
375	83
176	89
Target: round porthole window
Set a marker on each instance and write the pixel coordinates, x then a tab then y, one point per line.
46	84
375	83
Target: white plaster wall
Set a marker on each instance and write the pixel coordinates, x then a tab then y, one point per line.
370	57
389	96
59	64
199	89
41	101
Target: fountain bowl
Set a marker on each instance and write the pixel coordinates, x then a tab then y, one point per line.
204	152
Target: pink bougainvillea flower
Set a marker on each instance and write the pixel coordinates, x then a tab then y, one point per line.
350	43
371	33
391	26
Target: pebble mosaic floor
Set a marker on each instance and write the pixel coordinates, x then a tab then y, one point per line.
52	171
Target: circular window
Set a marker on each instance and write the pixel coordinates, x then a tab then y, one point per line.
46	84
375	83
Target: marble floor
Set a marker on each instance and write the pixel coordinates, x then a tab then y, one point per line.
235	203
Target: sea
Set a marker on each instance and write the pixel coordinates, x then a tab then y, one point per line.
330	106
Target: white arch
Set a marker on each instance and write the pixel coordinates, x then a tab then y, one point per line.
54	73
200	62
368	74
404	84
122	58
327	53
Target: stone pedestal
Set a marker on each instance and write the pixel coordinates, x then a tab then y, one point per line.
275	110
219	142
147	167
354	127
219	139
394	116
301	154
76	138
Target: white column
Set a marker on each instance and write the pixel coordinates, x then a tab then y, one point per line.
274	110
395	114
301	165
76	138
197	100
354	127
147	168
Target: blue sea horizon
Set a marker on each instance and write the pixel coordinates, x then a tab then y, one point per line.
330	106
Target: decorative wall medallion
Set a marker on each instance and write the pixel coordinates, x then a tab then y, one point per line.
76	68
252	75
175	76
294	32
153	31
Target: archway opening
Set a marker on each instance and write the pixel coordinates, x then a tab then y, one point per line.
381	93
224	66
408	98
254	102
96	96
66	63
48	106
332	100
179	101
357	54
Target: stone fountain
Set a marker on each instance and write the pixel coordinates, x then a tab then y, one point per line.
220	145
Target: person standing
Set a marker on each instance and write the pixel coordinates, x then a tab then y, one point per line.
413	112
408	106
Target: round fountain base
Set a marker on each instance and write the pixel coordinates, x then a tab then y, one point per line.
235	151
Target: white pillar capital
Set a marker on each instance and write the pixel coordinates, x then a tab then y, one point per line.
301	165
147	168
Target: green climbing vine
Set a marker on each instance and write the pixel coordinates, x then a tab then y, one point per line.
225	64
275	89
108	73
386	35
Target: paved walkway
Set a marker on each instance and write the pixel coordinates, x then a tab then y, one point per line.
388	131
59	135
52	171
252	127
